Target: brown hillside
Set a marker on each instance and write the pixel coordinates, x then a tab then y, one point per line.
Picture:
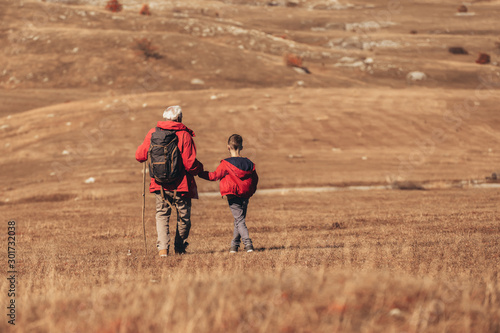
385	104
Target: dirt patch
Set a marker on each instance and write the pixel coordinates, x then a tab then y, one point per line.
59	197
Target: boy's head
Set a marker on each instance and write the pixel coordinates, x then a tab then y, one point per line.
235	142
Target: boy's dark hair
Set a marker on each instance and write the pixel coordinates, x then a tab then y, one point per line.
235	141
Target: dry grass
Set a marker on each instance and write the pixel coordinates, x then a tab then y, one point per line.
390	261
387	261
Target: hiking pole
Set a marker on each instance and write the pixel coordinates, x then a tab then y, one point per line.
144	204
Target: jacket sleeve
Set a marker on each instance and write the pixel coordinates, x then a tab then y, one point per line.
204	175
141	154
255	179
218	174
188	152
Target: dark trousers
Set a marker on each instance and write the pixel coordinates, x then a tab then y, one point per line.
238	207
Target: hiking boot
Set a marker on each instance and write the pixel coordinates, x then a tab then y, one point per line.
249	248
181	249
233	249
163	253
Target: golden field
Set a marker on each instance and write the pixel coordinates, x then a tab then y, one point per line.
382	261
376	210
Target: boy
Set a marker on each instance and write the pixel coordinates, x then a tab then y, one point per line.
238	182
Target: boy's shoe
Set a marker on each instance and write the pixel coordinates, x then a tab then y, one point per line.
163	253
233	249
249	248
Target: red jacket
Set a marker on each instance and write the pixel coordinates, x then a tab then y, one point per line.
186	184
237	176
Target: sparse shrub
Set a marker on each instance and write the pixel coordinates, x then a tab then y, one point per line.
494	178
457	50
114	6
462	9
408	185
337	225
145	10
483	59
283	36
293	60
146	48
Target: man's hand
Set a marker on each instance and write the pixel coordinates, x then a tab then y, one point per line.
204	175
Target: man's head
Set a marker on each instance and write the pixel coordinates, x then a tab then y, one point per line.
235	142
173	113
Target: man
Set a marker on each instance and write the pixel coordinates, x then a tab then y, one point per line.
180	192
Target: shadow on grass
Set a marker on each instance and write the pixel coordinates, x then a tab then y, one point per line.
276	248
261	249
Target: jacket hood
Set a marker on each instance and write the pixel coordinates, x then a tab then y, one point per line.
237	164
175	126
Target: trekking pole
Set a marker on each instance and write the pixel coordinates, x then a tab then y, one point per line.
144	205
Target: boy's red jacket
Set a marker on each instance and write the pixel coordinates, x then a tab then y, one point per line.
186	184
237	176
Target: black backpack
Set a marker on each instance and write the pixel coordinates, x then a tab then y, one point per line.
164	156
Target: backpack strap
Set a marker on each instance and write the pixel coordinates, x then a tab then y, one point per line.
173	206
